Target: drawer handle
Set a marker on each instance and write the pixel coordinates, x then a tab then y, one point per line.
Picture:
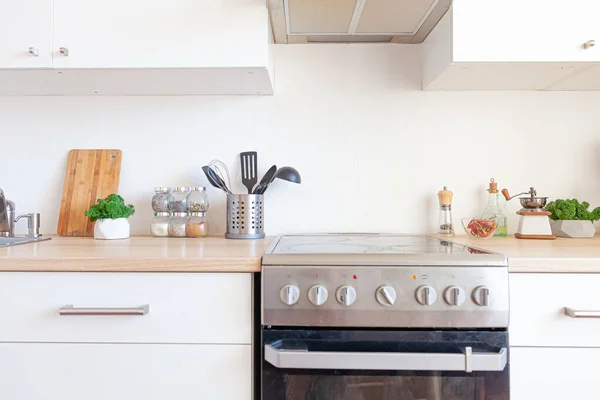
581	313
70	310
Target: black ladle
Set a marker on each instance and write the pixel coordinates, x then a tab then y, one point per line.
287	174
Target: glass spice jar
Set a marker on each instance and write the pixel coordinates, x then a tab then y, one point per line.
160	224
197	200
178	199
177	224
197	226
160	200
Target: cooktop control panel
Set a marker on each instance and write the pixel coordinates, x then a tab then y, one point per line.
385	296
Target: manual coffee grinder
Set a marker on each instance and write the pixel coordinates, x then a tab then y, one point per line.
534	221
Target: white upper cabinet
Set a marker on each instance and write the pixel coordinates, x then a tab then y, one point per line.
511	45
158	34
25	34
522	31
135	47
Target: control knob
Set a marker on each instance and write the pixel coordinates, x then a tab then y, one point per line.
481	296
425	295
289	294
317	295
385	295
454	295
346	295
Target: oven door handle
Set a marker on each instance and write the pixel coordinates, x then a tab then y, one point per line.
467	362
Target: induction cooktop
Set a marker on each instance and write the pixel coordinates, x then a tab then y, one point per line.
375	249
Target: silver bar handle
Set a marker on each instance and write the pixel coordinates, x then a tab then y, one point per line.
105	311
64	51
467	362
581	313
34	51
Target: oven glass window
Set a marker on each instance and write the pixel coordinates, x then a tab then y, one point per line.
426	386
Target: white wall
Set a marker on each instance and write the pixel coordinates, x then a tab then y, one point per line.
372	148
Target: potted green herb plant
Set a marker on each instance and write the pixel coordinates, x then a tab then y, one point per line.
572	219
110	215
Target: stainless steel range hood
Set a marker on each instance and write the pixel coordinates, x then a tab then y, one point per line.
351	21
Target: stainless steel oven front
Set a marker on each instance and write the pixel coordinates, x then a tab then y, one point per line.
355	364
382	317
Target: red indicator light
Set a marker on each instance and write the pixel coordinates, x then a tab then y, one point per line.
354	276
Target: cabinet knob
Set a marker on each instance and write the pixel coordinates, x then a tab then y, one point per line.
64	51
589	43
34	51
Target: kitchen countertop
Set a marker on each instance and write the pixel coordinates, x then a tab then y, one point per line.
136	254
559	255
217	254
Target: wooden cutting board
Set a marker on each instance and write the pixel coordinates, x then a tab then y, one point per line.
91	175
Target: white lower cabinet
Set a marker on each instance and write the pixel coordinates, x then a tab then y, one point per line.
555	356
554	373
53	371
125	336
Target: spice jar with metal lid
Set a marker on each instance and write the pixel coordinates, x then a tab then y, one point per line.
160	200
197	226
178	199
197	200
177	224
160	224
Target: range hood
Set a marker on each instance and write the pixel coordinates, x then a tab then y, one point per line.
348	21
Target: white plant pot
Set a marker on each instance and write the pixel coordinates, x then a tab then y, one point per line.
573	229
111	229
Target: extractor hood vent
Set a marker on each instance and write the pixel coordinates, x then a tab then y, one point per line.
349	38
405	21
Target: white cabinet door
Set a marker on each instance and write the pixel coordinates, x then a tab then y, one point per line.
537	310
159	34
553	373
25	24
182	308
521	31
125	372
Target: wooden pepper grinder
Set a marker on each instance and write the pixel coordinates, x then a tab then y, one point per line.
445	221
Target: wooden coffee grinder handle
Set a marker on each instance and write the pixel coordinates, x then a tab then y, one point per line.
506	195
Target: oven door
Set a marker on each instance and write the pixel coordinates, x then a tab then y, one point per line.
384	365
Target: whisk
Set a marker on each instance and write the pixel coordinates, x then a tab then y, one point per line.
221	170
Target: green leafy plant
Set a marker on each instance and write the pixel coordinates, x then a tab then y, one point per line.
572	210
112	207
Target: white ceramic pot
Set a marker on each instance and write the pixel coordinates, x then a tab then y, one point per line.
111	229
573	229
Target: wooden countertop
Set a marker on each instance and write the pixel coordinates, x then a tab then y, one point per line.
136	254
217	254
560	255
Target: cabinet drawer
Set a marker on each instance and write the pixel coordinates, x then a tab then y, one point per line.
553	373
182	308
53	371
537	315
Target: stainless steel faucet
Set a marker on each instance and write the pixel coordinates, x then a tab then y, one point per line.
8	220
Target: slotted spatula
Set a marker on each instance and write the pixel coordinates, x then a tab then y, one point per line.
249	165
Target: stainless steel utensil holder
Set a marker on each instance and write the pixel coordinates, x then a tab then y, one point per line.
245	216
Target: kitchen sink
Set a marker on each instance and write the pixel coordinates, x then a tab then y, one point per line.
13	241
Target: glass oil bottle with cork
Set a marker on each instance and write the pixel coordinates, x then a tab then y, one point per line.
445	226
494	209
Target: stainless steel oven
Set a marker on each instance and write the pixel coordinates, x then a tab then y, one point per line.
382	317
329	364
